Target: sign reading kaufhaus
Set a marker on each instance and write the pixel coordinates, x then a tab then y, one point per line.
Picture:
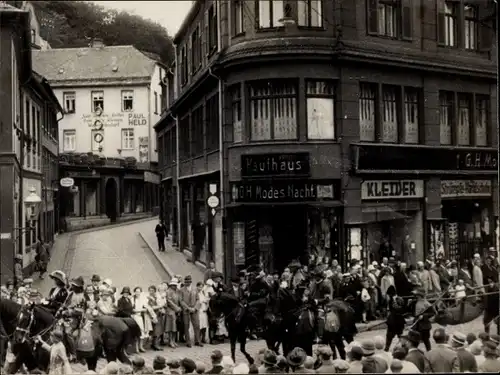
465	188
277	191
280	165
392	189
418	159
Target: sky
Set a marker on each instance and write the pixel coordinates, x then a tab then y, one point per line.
168	13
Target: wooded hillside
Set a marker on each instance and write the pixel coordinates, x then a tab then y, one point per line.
72	24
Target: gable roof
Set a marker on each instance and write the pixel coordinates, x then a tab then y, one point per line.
93	64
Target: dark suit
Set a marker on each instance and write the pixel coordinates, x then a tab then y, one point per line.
466	360
416	357
57	299
190	300
238	293
124	308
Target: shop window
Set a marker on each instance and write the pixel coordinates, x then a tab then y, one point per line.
470	26
323	232
273	110
310	13
320	109
389	114
447	23
411	115
367	112
237	113
445	117
464	121
197	131
481	121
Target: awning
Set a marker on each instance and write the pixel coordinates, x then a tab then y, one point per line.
376	214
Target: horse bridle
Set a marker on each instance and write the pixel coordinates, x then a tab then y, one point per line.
26	331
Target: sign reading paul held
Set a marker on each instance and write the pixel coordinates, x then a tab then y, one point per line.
392	189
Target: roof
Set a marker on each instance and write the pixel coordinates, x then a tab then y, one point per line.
46	90
188	20
93	63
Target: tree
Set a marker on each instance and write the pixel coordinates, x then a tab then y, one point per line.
73	24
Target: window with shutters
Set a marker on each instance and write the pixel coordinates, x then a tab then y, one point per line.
470	26
482	123
320	106
269	12
390	18
464	120
389	114
212	120
237	16
411	107
447	23
212	29
310	13
197	131
446	116
367	112
236	110
273	110
184	142
195	50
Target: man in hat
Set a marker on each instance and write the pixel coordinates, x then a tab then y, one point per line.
190	304
410	342
491	362
377	363
477	275
235	288
159	364
209	273
259	287
218	286
466	359
216	359
96	283
161	233
424	311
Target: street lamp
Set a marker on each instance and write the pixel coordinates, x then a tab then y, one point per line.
32	204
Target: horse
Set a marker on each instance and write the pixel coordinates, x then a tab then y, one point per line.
111	335
238	319
25	351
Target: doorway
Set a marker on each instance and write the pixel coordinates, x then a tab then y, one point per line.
111	199
289	231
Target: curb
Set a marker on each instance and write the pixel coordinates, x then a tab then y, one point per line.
167	269
110	226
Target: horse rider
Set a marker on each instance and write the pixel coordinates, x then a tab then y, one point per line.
58	294
75	307
259	288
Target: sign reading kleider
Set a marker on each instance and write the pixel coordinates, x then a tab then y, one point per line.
392	189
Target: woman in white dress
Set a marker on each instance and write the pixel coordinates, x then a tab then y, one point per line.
203	315
143	315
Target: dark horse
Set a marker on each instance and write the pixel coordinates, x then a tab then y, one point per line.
238	317
289	321
111	335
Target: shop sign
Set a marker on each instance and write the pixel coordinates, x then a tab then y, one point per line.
285	191
151	177
465	188
137	119
415	159
266	165
105	120
392	189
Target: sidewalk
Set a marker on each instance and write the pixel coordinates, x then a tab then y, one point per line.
173	261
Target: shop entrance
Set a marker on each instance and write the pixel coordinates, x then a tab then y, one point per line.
289	235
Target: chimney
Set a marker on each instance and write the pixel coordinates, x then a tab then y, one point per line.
97	43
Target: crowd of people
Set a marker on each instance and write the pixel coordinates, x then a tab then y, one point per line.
178	311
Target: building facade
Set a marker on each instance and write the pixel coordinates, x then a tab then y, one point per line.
29	108
111	98
342	128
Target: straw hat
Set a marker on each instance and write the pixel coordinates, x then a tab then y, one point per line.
173	282
58	275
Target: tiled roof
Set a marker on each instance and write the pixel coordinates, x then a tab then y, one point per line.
6	7
92	63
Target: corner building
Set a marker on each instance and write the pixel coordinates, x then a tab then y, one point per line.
342	126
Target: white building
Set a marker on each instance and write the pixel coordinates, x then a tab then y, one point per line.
111	97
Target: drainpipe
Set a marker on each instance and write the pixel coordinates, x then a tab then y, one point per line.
177	157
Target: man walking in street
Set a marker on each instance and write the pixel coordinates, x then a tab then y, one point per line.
161	233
